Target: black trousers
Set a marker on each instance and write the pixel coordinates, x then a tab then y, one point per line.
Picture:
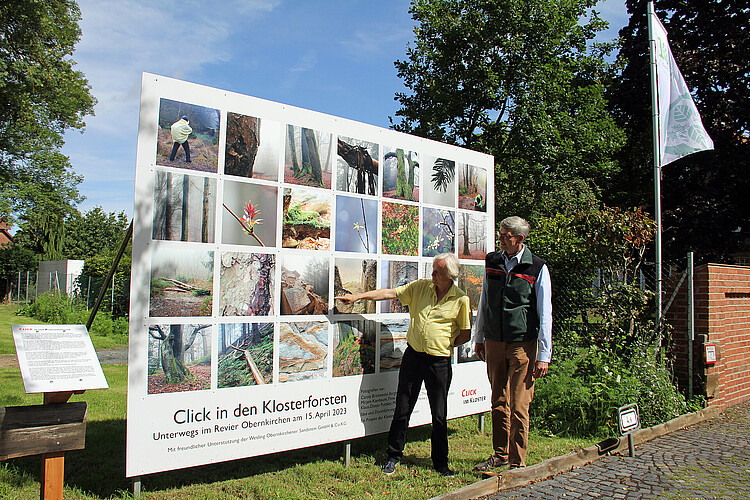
176	147
436	372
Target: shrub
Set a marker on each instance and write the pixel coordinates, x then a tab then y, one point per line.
58	309
581	394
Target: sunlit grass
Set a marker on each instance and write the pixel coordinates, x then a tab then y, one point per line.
99	471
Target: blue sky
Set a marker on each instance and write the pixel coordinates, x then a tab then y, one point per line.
335	57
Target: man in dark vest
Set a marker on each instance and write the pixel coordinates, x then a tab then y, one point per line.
513	334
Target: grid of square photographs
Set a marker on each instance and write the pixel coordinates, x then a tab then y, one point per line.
258	221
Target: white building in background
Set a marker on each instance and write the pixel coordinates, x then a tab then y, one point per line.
58	276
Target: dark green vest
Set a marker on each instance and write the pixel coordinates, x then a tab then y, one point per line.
511	314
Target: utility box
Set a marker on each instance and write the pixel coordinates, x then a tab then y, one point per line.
58	276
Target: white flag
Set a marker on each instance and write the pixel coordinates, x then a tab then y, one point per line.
681	130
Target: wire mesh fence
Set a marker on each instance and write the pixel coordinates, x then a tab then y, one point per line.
579	305
28	286
597	305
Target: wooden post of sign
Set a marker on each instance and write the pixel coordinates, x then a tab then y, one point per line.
53	464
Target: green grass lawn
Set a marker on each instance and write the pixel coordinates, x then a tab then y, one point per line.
98	471
9	317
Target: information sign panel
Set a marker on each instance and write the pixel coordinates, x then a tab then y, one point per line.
57	358
237	347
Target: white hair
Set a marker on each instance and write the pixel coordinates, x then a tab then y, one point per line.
451	264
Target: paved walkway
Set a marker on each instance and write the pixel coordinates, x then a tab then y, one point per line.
710	459
106	357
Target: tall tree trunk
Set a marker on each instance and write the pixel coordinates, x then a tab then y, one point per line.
160	202
305	147
206	345
206	206
369	282
172	356
401	184
314	157
412	168
168	208
185	222
292	149
466	235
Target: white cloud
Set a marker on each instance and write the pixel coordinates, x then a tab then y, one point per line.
306	64
120	40
377	41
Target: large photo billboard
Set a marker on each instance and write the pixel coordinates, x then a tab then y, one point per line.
250	217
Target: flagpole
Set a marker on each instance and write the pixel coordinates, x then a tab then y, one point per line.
657	162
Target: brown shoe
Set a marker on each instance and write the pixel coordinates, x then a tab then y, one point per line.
491	463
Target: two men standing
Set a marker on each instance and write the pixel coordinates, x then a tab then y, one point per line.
513	334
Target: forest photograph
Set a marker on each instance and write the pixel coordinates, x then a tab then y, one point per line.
303	351
395	273
470	280
181	282
246	284
357	166
400	174
438	231
472	187
392	343
440	181
253	147
184	207
249	214
188	136
354	347
179	358
309	157
304	283
307	219
356	225
245	354
354	276
471	238
400	228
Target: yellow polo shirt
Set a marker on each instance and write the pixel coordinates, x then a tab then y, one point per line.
434	326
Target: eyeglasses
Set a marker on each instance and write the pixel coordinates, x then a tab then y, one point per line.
505	236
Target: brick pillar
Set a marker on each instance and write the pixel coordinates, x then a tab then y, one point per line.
722	318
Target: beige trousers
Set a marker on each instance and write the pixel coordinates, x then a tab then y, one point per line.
510	368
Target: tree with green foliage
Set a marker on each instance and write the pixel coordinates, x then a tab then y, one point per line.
703	208
14	258
519	79
93	232
42	96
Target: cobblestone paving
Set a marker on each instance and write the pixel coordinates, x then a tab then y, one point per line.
708	460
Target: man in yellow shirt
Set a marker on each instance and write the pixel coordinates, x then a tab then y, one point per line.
440	320
180	132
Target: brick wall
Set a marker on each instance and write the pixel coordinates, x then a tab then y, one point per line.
722	318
